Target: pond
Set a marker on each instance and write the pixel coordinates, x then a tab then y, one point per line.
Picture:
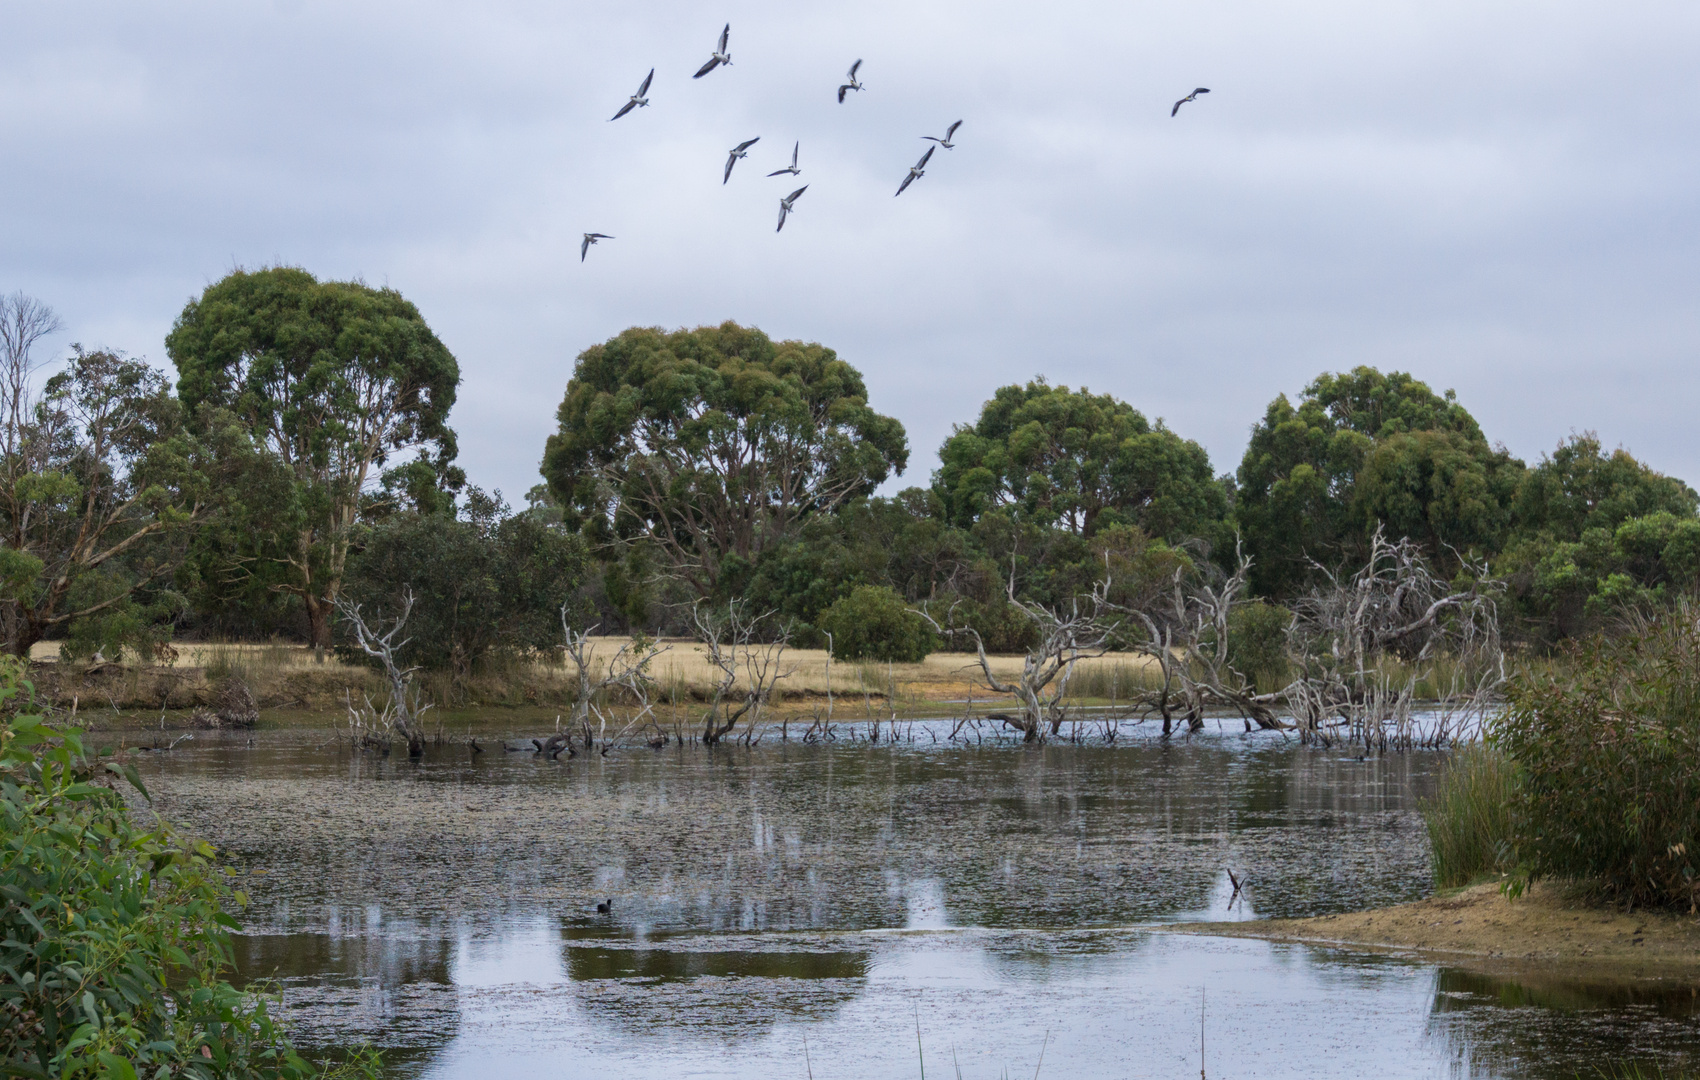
855	910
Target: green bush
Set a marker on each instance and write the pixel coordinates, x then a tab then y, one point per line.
113	938
873	623
1257	641
1469	819
1608	747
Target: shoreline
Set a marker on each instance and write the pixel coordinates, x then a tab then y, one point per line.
1478	926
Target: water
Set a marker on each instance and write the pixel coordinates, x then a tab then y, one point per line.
1006	900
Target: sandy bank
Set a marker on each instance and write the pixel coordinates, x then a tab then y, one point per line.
1541	927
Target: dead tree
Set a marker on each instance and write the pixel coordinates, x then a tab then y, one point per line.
1080	631
734	647
1187	635
627	672
1363	642
401	714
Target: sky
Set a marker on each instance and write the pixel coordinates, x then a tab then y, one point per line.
1501	198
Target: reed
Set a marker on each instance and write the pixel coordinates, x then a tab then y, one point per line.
1470	818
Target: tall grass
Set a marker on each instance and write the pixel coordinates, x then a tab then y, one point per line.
1113	681
1470	818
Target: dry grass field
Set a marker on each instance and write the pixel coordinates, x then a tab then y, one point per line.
288	676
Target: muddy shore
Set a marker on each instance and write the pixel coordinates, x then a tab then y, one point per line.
1546	927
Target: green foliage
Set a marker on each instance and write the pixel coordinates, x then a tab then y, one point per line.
333	379
1077	461
99	484
492	584
1257	641
1470	818
713	445
1597	533
1363	448
874	623
1608	748
113	937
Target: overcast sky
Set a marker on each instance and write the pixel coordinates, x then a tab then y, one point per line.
1502	198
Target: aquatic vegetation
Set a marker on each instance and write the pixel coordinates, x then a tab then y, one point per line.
1469	819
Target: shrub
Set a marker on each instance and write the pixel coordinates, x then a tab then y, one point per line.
113	938
1257	641
873	623
1608	747
1469	818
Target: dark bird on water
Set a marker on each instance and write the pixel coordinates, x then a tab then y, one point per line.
741	150
852	84
637	98
605	907
948	132
720	56
791	168
917	170
589	239
1190	97
785	204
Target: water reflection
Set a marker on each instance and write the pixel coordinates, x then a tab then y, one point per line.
841	893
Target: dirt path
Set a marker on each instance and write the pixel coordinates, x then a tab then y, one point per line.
1539	927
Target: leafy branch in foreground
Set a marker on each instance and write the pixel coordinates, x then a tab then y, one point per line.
114	939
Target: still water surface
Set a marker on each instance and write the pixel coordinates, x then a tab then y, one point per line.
1001	898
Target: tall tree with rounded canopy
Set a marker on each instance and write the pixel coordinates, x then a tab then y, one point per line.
1078	461
1363	448
713	445
332	377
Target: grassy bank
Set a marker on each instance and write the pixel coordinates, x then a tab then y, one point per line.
286	677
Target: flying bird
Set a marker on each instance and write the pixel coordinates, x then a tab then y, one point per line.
791	168
637	98
948	132
589	239
741	150
785	204
917	170
721	56
852	84
1190	97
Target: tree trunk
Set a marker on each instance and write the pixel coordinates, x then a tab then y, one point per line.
318	623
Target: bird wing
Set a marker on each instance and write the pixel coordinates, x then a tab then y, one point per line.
776	172
932	138
706	68
925	157
951	130
1177	107
601	236
906	182
624	109
791	198
644	89
582	250
796	146
724	34
841	90
731	160
782	209
1201	90
853	68
747	143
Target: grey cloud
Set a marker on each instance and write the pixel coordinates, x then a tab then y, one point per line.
1500	198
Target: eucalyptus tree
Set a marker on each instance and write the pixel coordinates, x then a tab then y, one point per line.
1078	461
710	447
333	379
1363	450
98	479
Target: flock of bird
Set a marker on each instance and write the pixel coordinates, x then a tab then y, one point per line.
722	56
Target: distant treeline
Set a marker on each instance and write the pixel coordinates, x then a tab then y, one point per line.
304	454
